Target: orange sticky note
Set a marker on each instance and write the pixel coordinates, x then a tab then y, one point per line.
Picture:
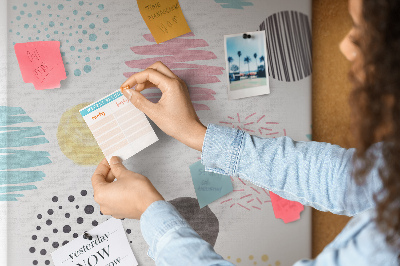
41	64
287	210
164	18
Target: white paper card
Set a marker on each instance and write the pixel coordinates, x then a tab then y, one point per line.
108	247
118	126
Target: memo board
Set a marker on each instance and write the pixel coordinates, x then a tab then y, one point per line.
45	184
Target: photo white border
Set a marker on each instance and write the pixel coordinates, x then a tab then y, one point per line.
247	92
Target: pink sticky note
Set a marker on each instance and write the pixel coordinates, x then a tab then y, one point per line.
284	209
41	64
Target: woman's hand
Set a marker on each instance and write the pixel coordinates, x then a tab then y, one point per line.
174	113
127	197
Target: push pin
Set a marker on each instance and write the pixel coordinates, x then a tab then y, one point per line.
86	235
246	36
125	88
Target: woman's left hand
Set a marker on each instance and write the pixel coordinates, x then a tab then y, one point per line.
127	197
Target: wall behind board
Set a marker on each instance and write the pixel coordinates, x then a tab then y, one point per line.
331	89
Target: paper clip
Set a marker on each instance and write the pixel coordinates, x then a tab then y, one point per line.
86	235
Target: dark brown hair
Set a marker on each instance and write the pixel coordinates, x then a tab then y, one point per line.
375	103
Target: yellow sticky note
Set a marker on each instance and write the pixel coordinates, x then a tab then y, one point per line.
164	18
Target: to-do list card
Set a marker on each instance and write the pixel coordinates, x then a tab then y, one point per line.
118	126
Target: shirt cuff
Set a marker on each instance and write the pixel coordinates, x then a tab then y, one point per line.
222	147
159	218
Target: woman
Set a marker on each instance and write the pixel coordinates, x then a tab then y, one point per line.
360	182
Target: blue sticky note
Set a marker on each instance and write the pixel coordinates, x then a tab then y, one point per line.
209	186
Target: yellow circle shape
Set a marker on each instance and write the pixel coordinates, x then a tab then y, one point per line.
238	259
229	257
264	257
75	139
251	257
277	263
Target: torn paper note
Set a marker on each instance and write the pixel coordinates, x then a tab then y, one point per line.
287	210
41	63
164	18
209	186
118	126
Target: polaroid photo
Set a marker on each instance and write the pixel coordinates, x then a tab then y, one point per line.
247	69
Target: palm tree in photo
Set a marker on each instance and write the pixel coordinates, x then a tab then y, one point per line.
255	57
239	54
262	59
247	60
230	60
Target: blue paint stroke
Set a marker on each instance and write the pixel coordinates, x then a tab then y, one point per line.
236	4
20	177
10	116
16	159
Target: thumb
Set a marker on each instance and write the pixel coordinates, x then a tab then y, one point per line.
138	100
117	168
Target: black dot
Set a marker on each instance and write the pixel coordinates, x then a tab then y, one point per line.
79	220
55	244
89	209
60	207
95	223
35	262
43	252
130	241
66	229
46	239
47	262
75	235
83	192
39	216
77	207
71	198
101	213
67	215
54	199
49	222
128	231
38	227
55	230
50	211
34	237
32	250
65	242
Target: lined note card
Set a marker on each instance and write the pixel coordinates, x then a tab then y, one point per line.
164	18
41	64
118	126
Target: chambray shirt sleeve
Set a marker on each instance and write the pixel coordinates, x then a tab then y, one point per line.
313	173
172	241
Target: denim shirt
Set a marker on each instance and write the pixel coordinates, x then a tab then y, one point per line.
313	173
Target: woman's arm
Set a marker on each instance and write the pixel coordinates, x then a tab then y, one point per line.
313	173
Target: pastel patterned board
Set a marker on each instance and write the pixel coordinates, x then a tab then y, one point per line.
119	128
13	159
177	55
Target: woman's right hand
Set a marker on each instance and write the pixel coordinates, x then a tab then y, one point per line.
174	113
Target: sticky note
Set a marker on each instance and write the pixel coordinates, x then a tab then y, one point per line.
164	18
209	186
108	246
287	210
41	64
118	126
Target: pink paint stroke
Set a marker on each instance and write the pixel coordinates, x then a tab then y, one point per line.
267	201
259	130
260	118
250	201
231	179
272	133
266	192
241	181
275	123
232	205
256	207
255	190
238	117
259	200
238	190
248	130
266	128
249	116
250	123
239	128
248	195
243	206
284	132
226	200
225	123
231	117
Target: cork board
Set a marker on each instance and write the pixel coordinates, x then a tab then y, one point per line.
331	89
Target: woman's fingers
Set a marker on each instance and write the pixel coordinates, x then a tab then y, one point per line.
159	80
160	67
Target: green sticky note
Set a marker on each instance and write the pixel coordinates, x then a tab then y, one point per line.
209	186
